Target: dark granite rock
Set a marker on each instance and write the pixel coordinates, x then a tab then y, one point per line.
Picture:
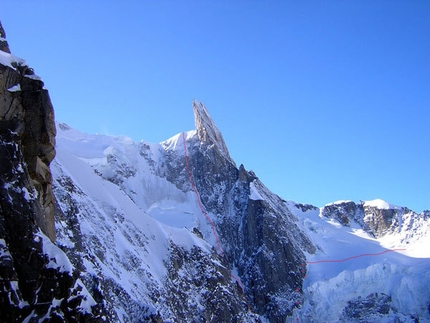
370	309
258	237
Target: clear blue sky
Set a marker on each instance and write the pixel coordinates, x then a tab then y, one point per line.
324	100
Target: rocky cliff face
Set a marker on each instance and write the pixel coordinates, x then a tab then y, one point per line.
207	131
36	279
257	231
26	110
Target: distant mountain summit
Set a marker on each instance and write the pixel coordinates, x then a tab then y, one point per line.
112	230
380	219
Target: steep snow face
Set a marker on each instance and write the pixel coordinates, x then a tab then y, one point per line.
136	236
130	201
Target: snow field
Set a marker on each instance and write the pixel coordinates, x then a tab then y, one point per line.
137	213
135	218
330	285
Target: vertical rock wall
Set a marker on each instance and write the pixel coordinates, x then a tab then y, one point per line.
26	109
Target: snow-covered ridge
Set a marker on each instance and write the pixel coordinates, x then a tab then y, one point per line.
16	63
377	203
381	204
338	202
176	143
7	59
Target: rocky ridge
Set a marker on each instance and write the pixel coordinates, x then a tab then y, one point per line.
26	110
378	218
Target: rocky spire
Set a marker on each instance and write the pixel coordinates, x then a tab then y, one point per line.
4	46
207	131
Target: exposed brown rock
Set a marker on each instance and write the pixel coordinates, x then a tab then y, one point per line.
26	109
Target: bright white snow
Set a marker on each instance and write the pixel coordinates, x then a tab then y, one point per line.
362	265
381	204
136	214
138	204
254	194
15	88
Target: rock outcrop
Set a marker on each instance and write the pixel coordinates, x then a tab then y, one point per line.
373	308
4	46
37	281
377	218
207	131
381	221
344	212
26	109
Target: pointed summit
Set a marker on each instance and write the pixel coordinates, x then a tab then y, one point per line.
207	131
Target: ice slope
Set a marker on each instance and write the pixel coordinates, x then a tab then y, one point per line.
134	168
121	162
351	265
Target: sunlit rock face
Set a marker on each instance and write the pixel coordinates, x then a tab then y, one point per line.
26	110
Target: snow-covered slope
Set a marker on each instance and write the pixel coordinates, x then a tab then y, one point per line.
131	233
174	231
355	277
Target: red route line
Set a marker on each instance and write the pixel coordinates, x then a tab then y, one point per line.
237	279
198	198
342	260
353	257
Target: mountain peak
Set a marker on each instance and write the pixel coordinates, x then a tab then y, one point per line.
207	131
